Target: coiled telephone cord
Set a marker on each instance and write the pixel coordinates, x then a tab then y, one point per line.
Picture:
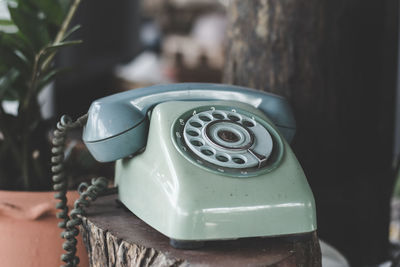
87	192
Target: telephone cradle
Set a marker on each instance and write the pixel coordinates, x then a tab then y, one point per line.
202	162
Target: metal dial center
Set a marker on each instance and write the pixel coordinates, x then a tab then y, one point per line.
228	136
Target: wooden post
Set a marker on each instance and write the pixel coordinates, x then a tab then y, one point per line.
114	236
336	63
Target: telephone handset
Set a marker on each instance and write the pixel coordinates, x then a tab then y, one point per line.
117	125
203	162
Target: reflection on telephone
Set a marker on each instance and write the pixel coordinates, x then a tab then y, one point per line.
198	162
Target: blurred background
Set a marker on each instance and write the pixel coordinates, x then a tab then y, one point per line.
135	44
345	94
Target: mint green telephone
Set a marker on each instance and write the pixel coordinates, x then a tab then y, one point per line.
203	162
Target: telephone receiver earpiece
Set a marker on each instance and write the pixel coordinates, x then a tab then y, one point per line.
117	125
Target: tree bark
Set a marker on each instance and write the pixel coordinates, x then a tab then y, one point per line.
114	236
336	63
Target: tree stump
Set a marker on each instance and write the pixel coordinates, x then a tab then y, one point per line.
114	236
335	61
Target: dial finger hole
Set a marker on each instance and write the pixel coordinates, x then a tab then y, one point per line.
195	123
196	142
233	117
193	132
208	151
248	123
239	160
218	115
222	157
205	117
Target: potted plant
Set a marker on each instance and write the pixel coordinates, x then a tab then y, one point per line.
29	41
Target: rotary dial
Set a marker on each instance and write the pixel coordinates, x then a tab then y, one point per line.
230	141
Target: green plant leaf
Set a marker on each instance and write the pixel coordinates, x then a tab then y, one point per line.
30	25
3	68
49	76
7	26
6	22
52	9
6	82
51	50
13	59
62	44
17	90
15	42
71	31
65	4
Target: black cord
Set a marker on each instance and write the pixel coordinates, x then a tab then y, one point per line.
87	192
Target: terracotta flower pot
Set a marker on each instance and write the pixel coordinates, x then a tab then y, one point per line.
29	232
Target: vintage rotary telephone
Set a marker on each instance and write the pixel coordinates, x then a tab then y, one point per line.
198	161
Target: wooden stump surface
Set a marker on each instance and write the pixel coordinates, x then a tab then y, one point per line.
114	236
335	62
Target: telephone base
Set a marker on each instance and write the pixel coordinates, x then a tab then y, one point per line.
193	245
302	237
183	244
187	200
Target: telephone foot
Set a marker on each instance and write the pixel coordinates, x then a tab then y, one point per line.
182	244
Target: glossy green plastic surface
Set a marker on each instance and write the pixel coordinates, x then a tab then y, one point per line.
186	202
